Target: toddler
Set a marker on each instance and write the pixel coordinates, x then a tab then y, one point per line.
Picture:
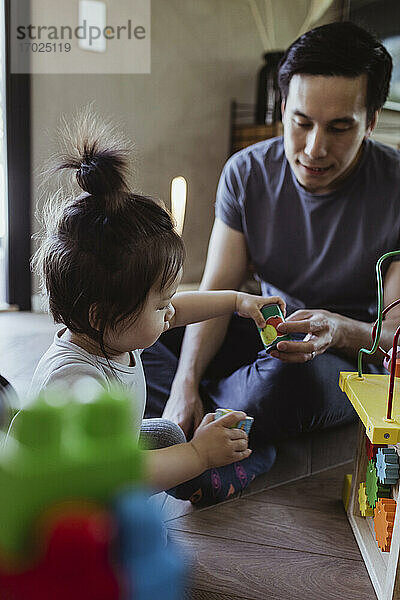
111	263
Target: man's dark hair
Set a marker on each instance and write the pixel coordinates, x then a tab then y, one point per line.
340	49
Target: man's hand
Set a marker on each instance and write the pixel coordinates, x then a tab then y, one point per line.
322	330
184	407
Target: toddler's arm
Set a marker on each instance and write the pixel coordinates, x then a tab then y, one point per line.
214	444
193	307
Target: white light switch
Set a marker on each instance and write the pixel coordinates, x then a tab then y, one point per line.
92	22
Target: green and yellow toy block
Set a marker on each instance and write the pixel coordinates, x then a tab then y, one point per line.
61	448
369	395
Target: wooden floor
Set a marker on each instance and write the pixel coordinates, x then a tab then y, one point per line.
291	542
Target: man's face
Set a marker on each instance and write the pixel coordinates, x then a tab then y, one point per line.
324	120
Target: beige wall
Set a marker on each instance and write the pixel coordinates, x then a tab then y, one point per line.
204	53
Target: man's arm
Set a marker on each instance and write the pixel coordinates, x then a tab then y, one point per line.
225	269
325	329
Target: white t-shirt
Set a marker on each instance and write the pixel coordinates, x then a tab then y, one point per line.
65	363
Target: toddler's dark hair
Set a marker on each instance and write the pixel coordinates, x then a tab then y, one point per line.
103	250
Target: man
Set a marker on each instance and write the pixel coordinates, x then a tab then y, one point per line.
312	213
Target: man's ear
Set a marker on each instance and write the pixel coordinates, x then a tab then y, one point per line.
372	124
283	106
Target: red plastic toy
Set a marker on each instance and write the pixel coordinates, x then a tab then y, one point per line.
75	563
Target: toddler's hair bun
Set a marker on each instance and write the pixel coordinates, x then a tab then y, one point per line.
99	155
101	172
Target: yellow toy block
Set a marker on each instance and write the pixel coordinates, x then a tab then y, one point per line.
368	396
346	490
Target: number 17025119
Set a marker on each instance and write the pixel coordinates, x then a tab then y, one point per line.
45	47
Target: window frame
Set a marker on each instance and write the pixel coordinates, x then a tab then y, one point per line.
18	152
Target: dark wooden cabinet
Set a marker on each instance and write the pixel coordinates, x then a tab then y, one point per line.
244	131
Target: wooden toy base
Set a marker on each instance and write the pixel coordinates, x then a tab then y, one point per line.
383	567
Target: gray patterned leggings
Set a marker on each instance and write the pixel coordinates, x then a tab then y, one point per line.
160	433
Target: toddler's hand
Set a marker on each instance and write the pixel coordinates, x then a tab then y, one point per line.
217	444
248	305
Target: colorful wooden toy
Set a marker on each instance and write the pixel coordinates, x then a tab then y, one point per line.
378	407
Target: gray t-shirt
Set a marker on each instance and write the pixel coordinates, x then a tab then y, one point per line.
64	364
315	250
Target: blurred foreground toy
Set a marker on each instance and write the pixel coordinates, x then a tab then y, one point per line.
64	448
65	470
74	561
152	572
244	424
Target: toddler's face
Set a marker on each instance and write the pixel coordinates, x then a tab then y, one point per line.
151	323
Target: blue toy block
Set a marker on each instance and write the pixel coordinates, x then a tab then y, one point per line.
154	567
387	465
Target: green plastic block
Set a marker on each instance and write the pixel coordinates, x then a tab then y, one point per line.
374	489
63	448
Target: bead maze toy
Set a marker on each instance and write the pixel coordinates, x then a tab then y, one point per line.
373	510
74	517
